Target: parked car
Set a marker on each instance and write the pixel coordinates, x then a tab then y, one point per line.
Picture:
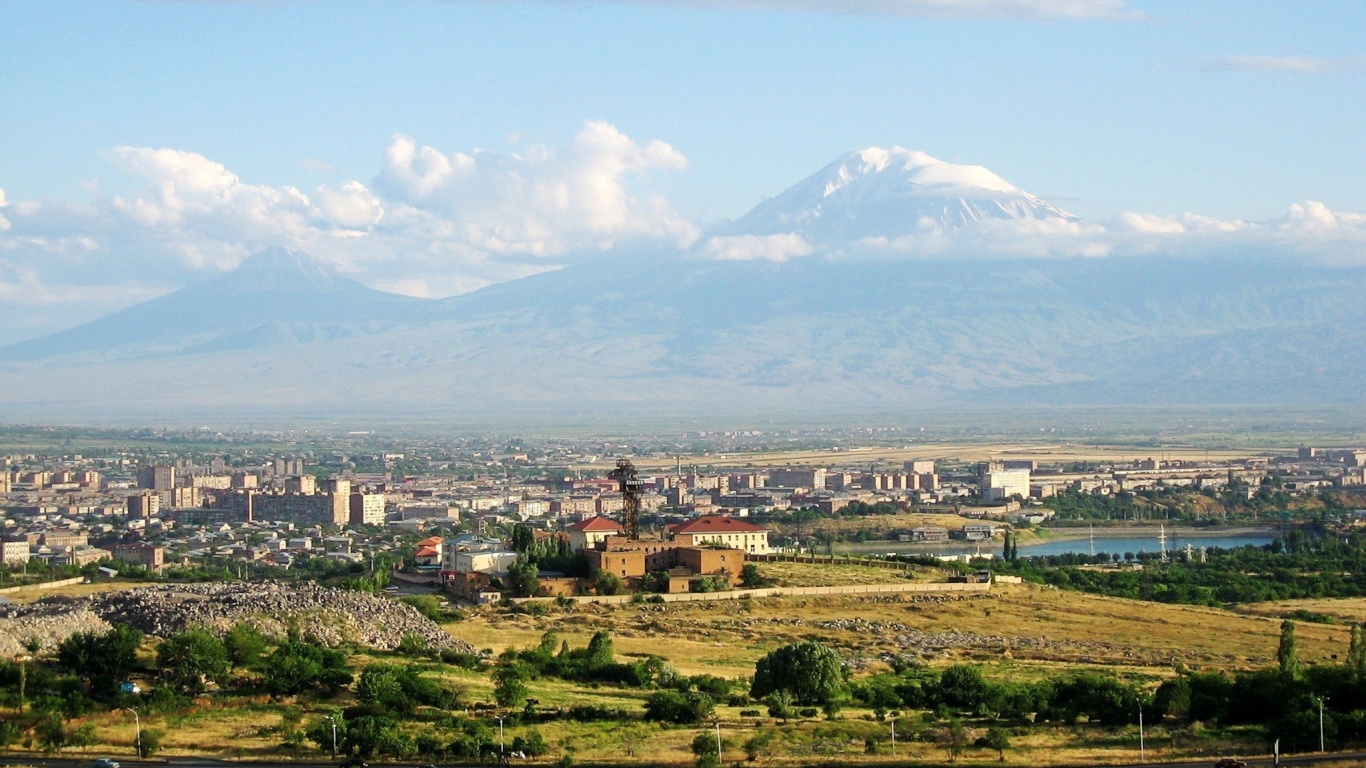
1230	762
104	762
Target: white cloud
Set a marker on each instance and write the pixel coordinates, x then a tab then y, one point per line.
1309	231
431	223
755	247
543	201
1295	65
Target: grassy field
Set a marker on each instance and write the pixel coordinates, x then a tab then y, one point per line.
1019	632
1345	610
1017	624
966	452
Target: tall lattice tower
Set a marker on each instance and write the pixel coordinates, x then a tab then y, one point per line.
628	482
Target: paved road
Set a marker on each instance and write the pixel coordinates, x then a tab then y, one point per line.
197	762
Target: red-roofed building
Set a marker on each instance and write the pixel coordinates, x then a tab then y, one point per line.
429	551
587	534
719	530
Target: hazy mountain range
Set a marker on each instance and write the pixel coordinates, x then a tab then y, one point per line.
664	331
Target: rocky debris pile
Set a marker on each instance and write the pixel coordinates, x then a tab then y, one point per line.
915	644
329	616
49	626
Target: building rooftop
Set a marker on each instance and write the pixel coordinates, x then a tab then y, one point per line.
715	524
597	523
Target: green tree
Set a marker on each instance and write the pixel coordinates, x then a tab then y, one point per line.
996	738
779	705
704	750
809	670
191	659
955	738
52	734
321	731
600	650
523	579
752	578
524	539
1356	655
509	688
296	667
380	684
532	744
1286	655
370	735
151	741
104	659
607	583
681	708
244	645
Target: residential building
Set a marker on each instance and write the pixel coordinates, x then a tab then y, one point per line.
156	478
995	481
366	509
62	538
719	530
587	534
301	484
143	505
797	477
146	555
14	552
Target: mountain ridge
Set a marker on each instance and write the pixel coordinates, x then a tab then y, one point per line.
667	331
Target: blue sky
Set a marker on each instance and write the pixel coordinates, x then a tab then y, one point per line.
1234	110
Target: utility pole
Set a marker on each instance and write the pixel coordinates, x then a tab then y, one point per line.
502	750
894	737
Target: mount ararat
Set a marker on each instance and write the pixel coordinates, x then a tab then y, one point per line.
730	326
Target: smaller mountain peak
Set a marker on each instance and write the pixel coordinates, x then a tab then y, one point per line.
285	269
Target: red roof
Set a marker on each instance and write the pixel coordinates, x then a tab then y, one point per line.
716	524
430	541
426	552
597	523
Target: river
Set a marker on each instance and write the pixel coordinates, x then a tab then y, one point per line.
1144	541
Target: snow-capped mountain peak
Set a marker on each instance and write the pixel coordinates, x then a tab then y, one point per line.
880	192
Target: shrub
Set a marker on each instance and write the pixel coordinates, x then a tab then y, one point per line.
412	644
680	708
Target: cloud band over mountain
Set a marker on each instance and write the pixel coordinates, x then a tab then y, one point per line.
438	223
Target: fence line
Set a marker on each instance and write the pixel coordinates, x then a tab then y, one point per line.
741	594
43	585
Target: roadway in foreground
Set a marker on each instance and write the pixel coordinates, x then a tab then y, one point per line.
204	762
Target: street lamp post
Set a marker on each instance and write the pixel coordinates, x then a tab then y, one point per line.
893	736
1321	745
502	750
717	722
333	721
1142	752
137	724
